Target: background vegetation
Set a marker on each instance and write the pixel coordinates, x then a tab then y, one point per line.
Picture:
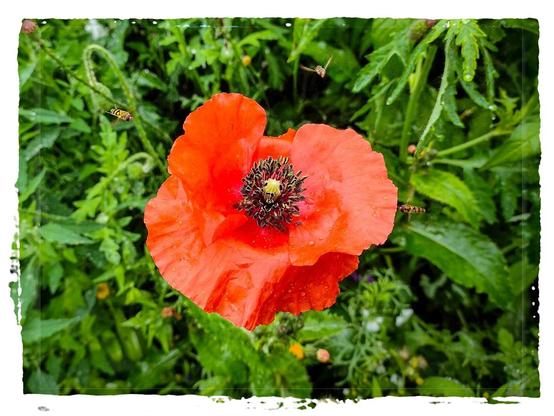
447	307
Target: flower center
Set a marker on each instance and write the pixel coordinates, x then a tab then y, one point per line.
271	192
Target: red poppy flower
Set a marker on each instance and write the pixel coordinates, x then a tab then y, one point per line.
248	225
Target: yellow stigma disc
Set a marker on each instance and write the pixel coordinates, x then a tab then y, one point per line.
272	187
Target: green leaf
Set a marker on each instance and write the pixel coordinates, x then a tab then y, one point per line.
82	227
449	105
22	176
490	75
42	116
111	250
54	273
378	59
468	34
444	386
98	356
37	329
40	382
466	256
483	193
522	274
471	89
290	375
384	30
254	38
306	32
505	340
531	25
343	63
276	75
509	194
59	233
419	52
151	80
524	142
45	140
29	286
31	186
376	388
25	73
447	188
80	125
447	78
319	325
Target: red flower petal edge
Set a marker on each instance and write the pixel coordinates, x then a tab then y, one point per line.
248	225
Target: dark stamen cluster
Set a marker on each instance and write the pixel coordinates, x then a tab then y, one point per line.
269	202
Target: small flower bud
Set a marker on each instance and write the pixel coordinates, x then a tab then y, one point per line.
404	353
102	291
297	350
431	22
28	26
246	60
412	148
323	355
167	312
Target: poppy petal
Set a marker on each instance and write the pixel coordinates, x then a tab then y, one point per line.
173	233
275	146
216	151
176	235
350	202
256	284
304	288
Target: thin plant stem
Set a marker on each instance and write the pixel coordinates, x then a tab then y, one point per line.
137	119
93	88
452	162
187	57
413	102
471	143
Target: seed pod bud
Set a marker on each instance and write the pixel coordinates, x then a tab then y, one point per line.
323	355
418	30
167	312
28	26
431	22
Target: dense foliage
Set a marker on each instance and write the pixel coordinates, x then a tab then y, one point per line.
446	307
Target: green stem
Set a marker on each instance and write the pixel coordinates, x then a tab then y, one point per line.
471	143
72	74
295	69
43	214
187	58
104	182
124	165
137	119
413	102
453	162
93	88
391	250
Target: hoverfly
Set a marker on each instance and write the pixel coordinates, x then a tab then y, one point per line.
411	209
120	114
319	70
